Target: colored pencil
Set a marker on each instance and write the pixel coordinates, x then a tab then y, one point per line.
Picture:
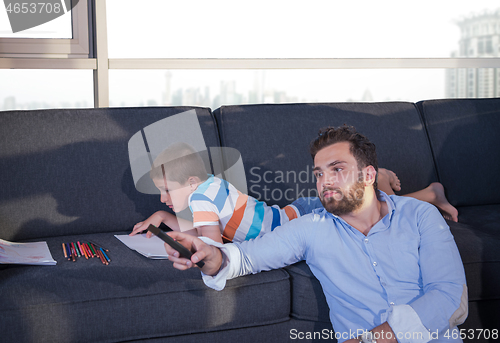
84	253
75	249
87	248
78	248
99	246
103	260
69	251
64	251
92	248
73	252
105	256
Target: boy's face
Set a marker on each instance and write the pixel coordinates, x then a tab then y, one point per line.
173	194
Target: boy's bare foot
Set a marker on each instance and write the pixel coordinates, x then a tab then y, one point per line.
388	181
434	194
447	210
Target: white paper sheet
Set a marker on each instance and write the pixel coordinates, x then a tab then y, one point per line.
36	253
150	247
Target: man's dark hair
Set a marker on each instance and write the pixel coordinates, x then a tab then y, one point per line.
360	147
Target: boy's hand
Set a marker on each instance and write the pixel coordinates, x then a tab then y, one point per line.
201	251
156	219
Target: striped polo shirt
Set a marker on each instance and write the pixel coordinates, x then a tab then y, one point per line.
240	217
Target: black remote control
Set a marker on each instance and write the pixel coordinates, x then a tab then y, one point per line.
174	244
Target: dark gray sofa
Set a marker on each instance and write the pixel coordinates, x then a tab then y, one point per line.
65	176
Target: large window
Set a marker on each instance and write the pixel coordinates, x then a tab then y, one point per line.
343	36
212	53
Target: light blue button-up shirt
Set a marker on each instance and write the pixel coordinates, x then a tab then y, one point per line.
407	270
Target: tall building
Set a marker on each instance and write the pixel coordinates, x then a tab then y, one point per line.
167	96
9	103
479	37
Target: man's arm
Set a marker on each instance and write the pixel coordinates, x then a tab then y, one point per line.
281	247
443	304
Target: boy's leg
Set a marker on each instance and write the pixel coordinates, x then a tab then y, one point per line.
388	182
434	194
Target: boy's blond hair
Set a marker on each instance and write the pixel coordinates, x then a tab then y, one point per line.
178	162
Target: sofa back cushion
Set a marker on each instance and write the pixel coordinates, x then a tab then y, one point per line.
67	171
273	141
465	138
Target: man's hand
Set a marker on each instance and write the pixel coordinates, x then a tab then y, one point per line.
382	333
209	254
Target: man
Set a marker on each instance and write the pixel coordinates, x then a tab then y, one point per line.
388	265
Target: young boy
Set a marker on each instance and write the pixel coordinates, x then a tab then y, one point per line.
220	211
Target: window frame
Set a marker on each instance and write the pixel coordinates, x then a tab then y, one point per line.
76	47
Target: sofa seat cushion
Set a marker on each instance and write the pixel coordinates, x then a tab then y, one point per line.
294	330
308	299
484	217
481	259
131	298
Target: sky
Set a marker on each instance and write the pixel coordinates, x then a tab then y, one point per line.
276	28
265	29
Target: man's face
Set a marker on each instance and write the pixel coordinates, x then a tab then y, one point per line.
173	194
339	182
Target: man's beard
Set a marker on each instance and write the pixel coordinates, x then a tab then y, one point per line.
351	199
